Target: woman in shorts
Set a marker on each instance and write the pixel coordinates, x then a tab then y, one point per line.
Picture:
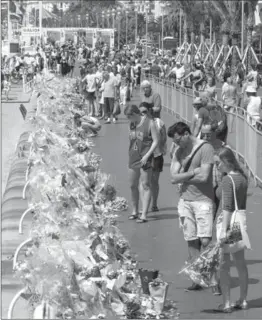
160	151
143	142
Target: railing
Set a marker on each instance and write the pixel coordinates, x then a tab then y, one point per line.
27	85
244	139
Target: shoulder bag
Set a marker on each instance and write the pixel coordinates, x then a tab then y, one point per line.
237	237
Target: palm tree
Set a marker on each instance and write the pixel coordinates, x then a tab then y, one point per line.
193	15
251	5
230	16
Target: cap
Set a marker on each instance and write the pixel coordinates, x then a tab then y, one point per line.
251	89
145	83
198	100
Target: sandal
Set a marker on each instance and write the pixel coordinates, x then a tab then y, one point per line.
240	305
222	309
155	209
139	220
133	217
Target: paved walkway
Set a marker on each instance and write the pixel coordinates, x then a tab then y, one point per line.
157	244
16	94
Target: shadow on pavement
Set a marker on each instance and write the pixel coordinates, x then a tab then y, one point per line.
164	216
255	303
249	262
168	209
235	282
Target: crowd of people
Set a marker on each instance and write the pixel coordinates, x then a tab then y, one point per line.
203	167
204	80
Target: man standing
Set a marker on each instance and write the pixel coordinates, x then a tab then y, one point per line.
155	69
152	98
191	167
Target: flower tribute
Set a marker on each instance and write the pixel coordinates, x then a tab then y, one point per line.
79	262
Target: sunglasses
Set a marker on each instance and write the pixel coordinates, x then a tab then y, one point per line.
177	140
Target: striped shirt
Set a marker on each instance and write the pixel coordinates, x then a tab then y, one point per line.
226	189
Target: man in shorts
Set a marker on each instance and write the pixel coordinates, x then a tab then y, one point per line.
191	167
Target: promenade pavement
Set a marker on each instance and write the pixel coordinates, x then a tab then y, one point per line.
158	244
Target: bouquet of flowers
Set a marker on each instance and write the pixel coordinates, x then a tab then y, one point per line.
203	269
80	264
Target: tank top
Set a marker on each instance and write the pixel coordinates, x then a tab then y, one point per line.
140	142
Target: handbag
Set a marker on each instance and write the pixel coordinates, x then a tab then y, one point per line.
237	238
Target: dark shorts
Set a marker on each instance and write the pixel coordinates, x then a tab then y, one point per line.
137	165
158	164
90	96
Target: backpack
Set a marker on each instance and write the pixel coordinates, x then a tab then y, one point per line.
218	117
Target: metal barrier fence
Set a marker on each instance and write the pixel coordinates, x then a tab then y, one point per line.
28	86
244	139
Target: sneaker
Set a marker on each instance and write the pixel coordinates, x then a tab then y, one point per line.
240	305
108	121
154	209
194	287
114	120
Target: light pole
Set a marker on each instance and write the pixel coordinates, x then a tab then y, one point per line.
108	16
180	27
78	19
87	19
162	36
136	11
118	17
126	22
103	19
113	17
147	10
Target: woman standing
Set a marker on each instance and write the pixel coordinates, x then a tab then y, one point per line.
143	142
230	98
233	192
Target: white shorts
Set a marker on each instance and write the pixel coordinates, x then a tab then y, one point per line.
196	218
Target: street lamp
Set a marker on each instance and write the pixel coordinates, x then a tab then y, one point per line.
118	17
136	11
78	18
103	19
108	16
162	36
147	10
126	22
87	20
113	17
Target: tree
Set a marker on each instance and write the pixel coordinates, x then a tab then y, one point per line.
251	7
230	13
